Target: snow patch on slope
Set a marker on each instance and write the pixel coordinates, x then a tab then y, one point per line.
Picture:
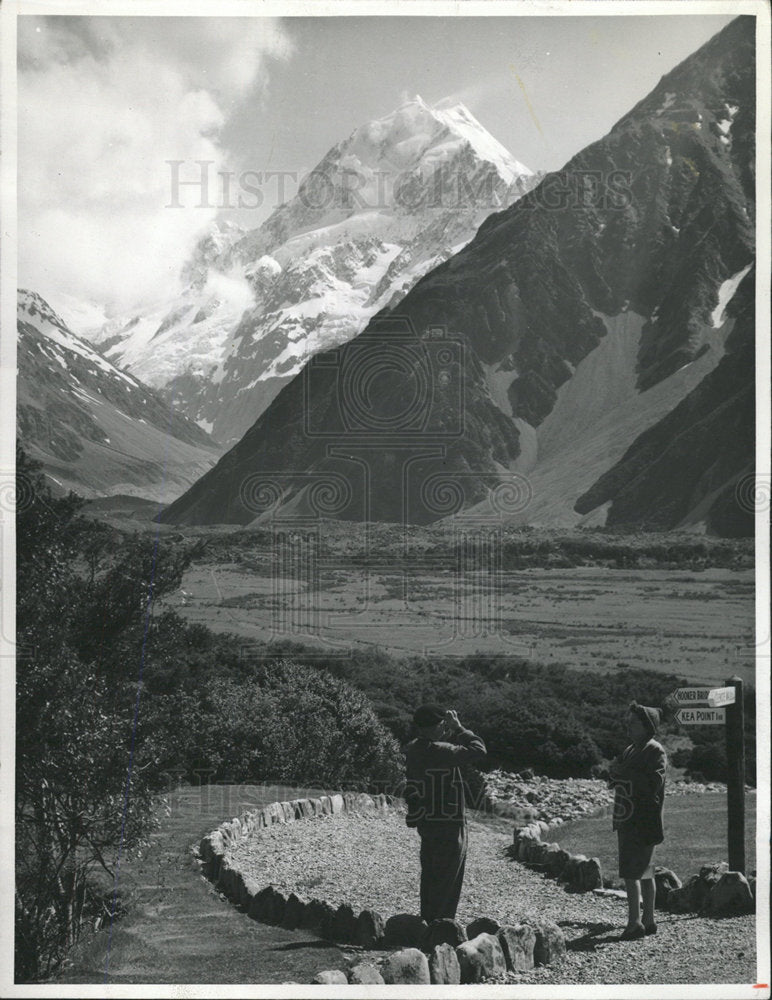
725	295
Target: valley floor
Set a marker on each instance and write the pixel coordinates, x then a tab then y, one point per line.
698	625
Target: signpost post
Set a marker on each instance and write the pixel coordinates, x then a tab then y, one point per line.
697	706
735	781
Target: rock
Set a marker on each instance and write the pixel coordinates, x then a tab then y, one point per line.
731	895
480	958
550	945
304	809
343	924
406	930
591	875
610	893
369	929
288	811
336	804
666	881
318	916
324	807
365	974
330	977
279	905
443	965
752	884
685	898
572	873
517	942
408	966
538	853
293	912
445	931
555	860
525	844
482	925
261	905
273	813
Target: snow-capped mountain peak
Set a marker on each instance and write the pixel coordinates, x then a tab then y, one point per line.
380	209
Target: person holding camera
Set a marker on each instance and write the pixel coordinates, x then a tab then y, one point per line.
638	778
434	793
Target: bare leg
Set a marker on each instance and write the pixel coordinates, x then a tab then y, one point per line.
633	901
648	891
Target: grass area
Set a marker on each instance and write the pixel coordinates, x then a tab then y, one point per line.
176	927
587	618
695	835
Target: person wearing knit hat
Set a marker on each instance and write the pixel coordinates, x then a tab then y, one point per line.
434	792
638	778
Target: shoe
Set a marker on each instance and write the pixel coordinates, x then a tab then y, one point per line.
650	928
634	933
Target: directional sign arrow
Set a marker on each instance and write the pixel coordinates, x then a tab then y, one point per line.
701	716
691	696
722	696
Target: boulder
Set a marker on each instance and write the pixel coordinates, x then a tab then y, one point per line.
304	809
443	965
273	813
538	853
555	860
261	905
336	804
343	924
445	931
330	977
405	930
685	898
365	974
481	925
550	945
279	905
730	895
294	909
324	806
369	929
591	876
518	942
665	881
318	916
572	873
481	958
409	966
288	811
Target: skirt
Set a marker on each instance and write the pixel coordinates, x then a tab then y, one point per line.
636	859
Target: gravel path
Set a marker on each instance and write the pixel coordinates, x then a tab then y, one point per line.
372	862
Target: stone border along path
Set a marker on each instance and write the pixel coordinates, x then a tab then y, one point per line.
444	952
714	890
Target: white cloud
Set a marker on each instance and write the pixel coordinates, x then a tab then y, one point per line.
103	104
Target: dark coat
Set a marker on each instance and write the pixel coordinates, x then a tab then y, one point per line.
638	777
434	789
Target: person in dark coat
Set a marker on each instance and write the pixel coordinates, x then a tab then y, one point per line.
434	794
638	777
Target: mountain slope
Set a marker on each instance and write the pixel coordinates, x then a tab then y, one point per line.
97	429
580	317
380	210
689	466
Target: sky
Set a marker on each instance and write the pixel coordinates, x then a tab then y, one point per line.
106	102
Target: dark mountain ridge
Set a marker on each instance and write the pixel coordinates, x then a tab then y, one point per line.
651	223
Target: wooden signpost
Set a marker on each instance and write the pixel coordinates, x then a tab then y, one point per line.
703	706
